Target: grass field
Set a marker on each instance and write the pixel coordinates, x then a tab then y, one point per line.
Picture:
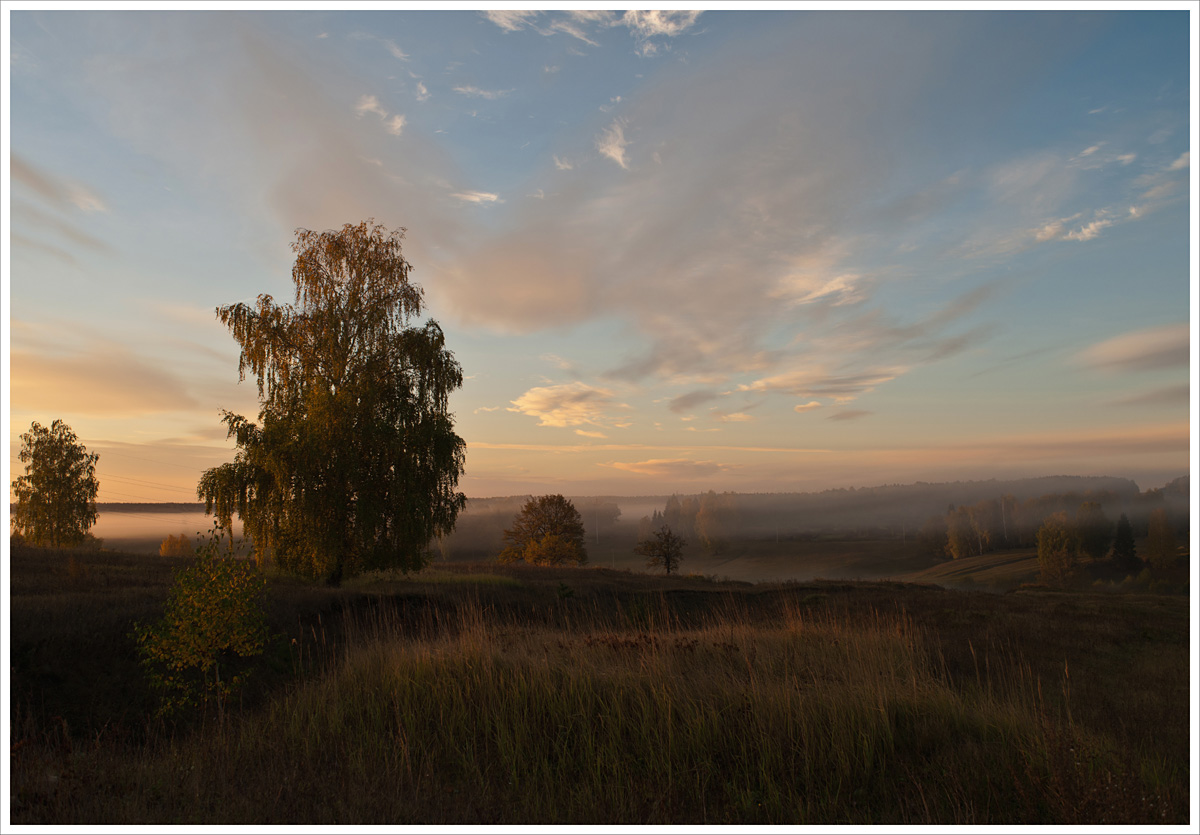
475	693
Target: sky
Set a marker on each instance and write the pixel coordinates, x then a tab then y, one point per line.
674	251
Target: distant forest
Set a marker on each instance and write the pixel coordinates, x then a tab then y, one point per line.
899	511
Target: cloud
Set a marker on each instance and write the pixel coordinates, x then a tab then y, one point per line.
1087	152
733	417
23	212
369	104
849	414
807	407
1088	231
686	402
422	91
649	24
809	382
53	191
396	51
569	404
589	434
1184	160
1168	396
104	379
396	126
510	20
476	92
476	196
1149	349
612	143
677	468
562	164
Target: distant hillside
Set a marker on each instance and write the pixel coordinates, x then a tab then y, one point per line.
150	507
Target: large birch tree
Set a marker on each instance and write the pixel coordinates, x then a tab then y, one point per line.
353	464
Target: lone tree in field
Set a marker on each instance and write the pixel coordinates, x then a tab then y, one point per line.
55	501
354	462
1124	553
1058	550
664	548
547	531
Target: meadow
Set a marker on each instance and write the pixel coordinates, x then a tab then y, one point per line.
473	692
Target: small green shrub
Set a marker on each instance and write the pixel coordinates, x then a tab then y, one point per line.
213	622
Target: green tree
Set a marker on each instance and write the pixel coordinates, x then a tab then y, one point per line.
1058	550
55	501
354	463
1161	547
547	531
1094	530
663	548
213	622
1124	552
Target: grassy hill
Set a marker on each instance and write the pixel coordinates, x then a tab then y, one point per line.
474	693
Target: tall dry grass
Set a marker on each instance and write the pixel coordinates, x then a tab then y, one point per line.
629	715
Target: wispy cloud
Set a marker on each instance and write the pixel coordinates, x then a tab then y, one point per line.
103	379
686	402
676	468
479	93
849	414
510	20
396	51
562	164
54	191
612	143
1143	350
1184	160
395	125
476	196
1168	396
369	104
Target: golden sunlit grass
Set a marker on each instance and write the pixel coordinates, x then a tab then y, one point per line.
456	698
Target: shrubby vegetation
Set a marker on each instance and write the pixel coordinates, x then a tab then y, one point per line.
214	622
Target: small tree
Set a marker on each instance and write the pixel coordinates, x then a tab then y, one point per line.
664	548
1160	540
1058	550
1124	552
547	531
55	501
213	622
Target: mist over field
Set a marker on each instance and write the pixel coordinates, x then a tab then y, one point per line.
856	533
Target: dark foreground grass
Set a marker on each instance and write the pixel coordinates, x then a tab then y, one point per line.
516	695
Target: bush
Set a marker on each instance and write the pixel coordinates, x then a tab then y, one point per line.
213	623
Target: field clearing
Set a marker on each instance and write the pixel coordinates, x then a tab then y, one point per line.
1000	571
477	692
